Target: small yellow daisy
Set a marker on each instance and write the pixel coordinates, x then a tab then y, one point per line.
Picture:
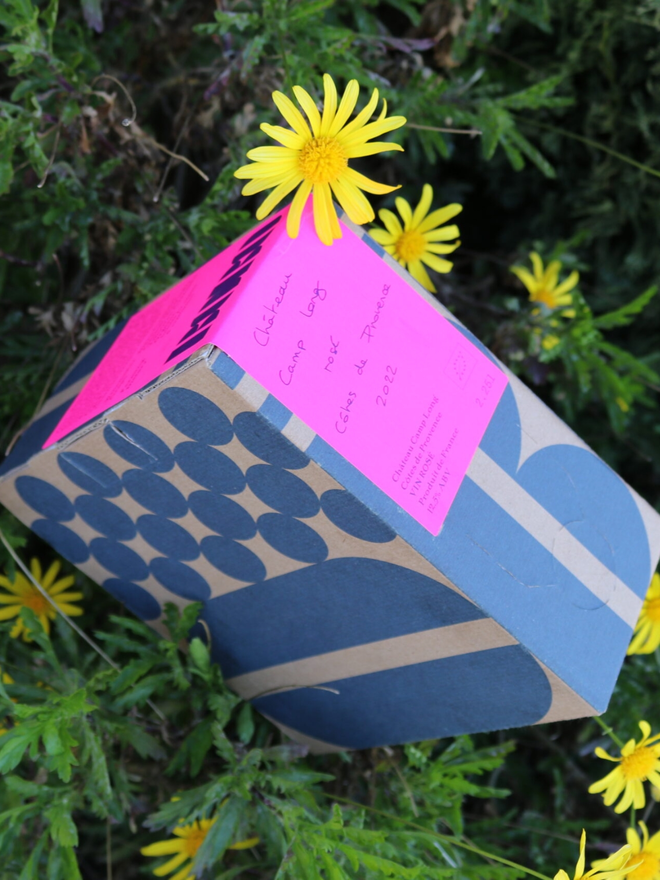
612	868
647	632
184	847
416	242
542	285
645	855
638	762
314	157
23	594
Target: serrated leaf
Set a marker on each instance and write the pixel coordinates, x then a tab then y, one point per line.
62	829
221	834
245	723
193	749
626	314
144	744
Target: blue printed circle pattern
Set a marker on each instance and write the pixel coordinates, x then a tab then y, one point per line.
180	579
134	597
268	444
62	539
222	515
119	559
139	446
45	498
210	468
283	491
90	474
352	517
168	537
233	559
155	494
195	416
292	538
105	517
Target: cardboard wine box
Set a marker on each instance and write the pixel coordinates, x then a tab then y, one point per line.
392	537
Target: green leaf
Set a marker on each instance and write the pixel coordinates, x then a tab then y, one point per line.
221	834
14	745
63	829
144	743
245	723
193	749
626	314
6	176
200	656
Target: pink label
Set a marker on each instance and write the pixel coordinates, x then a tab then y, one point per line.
342	341
169	329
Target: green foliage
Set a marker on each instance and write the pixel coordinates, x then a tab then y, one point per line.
97	217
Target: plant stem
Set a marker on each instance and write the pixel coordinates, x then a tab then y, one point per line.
590	143
608	730
446	838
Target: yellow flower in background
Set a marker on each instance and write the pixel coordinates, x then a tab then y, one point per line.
647	631
543	287
639	761
418	240
184	847
645	855
6	679
23	594
314	157
611	868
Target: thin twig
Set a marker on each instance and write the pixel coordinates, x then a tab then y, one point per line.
51	160
590	143
176	156
169	161
74	626
125	122
108	848
470	131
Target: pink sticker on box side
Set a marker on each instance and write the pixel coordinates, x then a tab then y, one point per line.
358	355
169	329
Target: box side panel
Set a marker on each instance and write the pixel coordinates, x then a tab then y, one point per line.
542	534
187	493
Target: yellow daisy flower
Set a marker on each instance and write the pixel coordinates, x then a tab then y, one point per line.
542	285
184	848
314	157
611	868
23	594
647	632
417	241
638	762
645	855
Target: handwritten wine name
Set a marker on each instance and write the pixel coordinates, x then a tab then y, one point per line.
262	334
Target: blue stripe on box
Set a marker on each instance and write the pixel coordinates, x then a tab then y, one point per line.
227	370
485	690
328	606
514	578
276	413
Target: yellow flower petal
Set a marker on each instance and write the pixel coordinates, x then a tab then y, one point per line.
437	218
171	865
292	115
307	103
367	112
353	202
51	574
329	104
420	274
8	613
296	209
368	185
405	211
281	190
437	263
382	236
285	136
391	222
537	265
346	107
371	149
162	848
423	206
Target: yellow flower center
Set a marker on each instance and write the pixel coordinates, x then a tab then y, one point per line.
652	610
194	840
547	297
33	599
322	160
410	246
648	867
638	764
